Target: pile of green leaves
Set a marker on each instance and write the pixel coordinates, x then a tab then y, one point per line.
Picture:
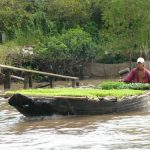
135	86
94	93
110	85
122	85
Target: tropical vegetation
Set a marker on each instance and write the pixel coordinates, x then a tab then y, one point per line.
73	32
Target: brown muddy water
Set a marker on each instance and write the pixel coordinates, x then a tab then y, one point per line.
130	131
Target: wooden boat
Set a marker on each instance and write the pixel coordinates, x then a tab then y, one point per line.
47	106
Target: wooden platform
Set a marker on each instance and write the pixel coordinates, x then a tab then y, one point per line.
27	80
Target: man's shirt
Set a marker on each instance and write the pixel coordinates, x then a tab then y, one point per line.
135	76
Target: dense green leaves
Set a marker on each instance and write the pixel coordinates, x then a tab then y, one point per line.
107	30
122	85
126	26
110	85
74	44
69	13
79	44
52	49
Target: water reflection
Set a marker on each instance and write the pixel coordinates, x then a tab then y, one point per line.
125	131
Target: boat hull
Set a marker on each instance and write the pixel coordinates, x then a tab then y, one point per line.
47	106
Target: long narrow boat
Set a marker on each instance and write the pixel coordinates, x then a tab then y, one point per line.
68	105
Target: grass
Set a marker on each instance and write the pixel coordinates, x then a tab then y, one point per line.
78	92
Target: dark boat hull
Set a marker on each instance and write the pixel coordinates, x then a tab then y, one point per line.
47	106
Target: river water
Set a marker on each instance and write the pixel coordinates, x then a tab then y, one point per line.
130	131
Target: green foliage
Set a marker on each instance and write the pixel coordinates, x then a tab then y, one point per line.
126	26
69	13
78	92
26	22
122	85
110	85
6	50
79	44
106	30
53	48
92	28
73	44
135	86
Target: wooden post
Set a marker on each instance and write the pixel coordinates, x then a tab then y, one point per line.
77	83
51	81
7	79
73	83
30	80
26	80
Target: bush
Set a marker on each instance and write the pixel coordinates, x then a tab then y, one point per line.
79	44
74	44
52	49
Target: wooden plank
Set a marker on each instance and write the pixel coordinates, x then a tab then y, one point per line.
18	78
14	77
42	86
65	97
37	72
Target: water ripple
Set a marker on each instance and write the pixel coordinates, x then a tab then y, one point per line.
107	132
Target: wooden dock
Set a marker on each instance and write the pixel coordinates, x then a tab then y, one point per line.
27	80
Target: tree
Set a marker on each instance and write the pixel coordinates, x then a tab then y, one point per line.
68	13
126	26
75	44
79	43
68	52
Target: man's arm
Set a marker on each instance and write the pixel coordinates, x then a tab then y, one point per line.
148	75
129	77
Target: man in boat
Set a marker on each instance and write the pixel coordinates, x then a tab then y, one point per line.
139	74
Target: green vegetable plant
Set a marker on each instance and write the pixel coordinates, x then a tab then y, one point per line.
122	85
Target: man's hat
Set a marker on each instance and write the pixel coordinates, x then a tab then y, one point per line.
140	60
